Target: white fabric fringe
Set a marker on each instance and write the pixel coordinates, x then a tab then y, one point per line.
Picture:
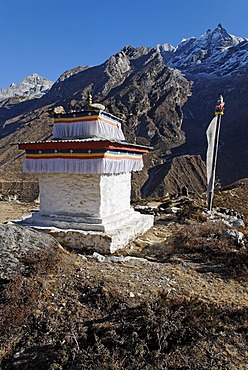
96	128
92	166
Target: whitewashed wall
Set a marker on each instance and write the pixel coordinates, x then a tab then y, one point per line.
69	193
115	193
86	195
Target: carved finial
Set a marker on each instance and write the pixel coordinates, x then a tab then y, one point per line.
94	106
219	109
89	99
56	110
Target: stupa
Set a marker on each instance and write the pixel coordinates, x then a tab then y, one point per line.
85	180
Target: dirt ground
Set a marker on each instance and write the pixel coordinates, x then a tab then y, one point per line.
178	300
15	210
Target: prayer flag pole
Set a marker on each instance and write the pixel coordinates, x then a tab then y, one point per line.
213	133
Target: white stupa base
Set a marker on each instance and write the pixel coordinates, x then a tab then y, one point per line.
88	211
103	237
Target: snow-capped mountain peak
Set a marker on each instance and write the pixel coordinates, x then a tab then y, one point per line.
31	86
219	38
216	52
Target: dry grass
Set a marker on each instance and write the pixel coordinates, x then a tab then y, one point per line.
234	197
73	313
186	309
204	244
15	210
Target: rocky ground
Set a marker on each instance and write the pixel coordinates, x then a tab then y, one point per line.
176	298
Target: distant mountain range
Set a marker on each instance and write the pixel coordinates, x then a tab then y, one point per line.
32	86
168	96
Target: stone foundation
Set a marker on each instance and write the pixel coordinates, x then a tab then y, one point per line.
99	241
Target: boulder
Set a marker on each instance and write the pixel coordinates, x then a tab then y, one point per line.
16	243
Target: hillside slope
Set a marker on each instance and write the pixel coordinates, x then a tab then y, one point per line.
177	298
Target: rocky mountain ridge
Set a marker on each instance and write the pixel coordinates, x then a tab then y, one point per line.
134	82
168	97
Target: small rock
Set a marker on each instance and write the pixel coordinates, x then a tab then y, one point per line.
99	257
233	222
172	210
237	237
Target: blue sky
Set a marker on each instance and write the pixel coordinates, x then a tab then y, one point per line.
49	37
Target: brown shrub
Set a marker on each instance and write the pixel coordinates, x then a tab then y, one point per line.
204	243
20	296
54	319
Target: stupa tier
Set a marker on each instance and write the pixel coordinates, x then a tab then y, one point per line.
87	124
85	181
82	156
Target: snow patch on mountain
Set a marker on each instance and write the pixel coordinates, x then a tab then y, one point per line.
32	86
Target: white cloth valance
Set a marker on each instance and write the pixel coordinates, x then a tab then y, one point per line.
101	128
86	166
